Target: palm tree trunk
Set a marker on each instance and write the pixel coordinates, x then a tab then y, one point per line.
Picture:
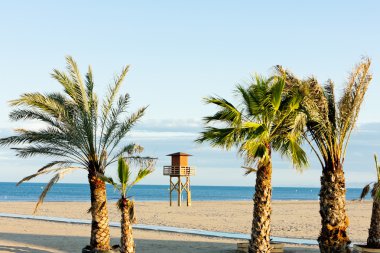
373	240
333	237
100	232
260	233
127	219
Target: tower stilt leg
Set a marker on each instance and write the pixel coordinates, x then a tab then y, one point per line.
188	191
171	190
179	191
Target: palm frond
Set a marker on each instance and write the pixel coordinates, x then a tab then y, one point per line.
48	151
296	154
51	164
130	150
89	83
219	137
67	83
350	103
112	122
30	114
277	92
40	172
249	103
226	113
141	161
249	170
48	136
123	171
330	97
80	90
124	127
40	102
143	172
50	184
110	98
365	191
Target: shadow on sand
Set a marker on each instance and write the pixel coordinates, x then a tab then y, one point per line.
74	244
18	249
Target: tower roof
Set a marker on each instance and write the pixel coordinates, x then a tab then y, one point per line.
179	154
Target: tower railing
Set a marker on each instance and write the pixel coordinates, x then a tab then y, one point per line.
179	171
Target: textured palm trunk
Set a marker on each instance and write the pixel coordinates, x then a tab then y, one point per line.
260	234
127	219
100	232
373	240
333	237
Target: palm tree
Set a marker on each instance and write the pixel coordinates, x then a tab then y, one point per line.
77	135
125	205
373	240
267	119
330	124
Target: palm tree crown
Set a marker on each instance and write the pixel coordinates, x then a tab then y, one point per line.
268	117
330	122
76	132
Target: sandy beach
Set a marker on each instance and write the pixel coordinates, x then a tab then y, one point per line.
298	219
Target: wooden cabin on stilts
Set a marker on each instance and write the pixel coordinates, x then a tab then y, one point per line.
179	173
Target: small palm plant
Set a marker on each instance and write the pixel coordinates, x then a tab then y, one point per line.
373	240
125	205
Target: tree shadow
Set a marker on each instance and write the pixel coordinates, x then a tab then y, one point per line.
18	249
69	243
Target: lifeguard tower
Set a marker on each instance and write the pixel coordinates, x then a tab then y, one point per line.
180	169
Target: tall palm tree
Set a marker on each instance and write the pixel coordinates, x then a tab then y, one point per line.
373	240
125	205
77	135
330	124
268	118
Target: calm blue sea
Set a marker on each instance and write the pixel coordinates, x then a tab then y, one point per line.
80	192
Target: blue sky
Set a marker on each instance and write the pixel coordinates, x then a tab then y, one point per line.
180	52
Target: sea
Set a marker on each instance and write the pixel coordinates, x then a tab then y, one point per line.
64	192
